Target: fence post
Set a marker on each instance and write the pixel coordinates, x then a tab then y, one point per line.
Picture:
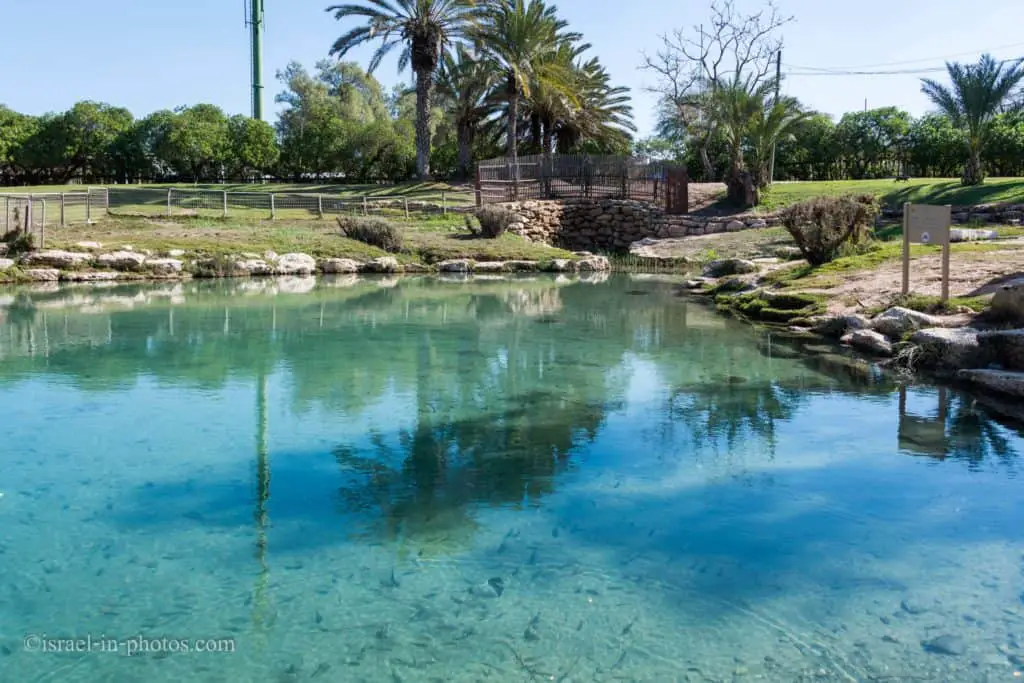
405	200
63	213
7	213
106	201
479	189
42	227
225	201
273	207
366	208
169	191
444	203
320	205
88	207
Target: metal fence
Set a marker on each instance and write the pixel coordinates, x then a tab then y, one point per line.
570	176
39	211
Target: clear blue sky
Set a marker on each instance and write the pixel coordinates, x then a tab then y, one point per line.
149	54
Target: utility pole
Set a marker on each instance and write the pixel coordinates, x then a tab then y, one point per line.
255	22
778	84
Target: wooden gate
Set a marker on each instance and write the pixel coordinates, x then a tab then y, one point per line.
677	192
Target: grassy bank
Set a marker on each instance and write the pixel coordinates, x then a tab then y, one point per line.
916	190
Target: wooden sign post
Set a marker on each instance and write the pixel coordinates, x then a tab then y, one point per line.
926	224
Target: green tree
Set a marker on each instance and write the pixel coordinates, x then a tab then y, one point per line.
425	29
15	129
976	94
253	145
811	152
1004	144
869	139
90	131
519	39
603	117
311	130
198	142
361	96
465	84
771	125
934	146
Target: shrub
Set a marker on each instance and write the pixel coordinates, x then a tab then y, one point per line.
821	227
494	220
376	232
18	242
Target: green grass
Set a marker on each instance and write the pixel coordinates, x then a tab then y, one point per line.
933	305
917	190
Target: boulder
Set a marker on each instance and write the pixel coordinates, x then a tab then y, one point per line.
1005	347
252	266
88	245
729	266
835	326
6	263
164	266
42	274
175	253
89	275
121	260
339	265
788	253
383	264
295	264
560	265
951	348
869	341
971	235
1010	383
735	226
55	258
455	266
755	223
415	268
594	264
1008	301
489	267
897	322
521	266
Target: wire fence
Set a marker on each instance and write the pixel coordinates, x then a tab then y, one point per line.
38	211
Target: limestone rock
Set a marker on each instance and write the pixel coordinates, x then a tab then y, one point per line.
835	326
42	274
383	264
1001	381
55	258
6	263
455	266
755	223
869	341
521	266
954	348
489	267
89	275
175	253
88	245
729	266
594	264
897	321
415	268
945	645
788	253
561	265
253	266
735	226
339	265
121	260
971	235
295	264
1005	347
164	266
1008	301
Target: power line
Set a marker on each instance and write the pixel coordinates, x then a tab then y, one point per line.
919	61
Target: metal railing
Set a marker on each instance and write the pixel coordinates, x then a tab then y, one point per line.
36	211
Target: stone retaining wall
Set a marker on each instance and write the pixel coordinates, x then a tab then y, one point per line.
1001	214
613	224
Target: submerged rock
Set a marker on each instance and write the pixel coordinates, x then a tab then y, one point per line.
1001	381
729	266
898	321
945	645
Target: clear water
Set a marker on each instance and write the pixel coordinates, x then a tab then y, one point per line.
538	479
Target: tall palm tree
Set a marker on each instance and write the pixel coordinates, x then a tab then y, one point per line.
977	93
773	124
734	109
465	84
519	39
604	115
426	29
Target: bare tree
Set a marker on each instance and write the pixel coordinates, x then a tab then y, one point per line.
734	49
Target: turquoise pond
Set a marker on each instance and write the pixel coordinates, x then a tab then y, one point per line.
535	479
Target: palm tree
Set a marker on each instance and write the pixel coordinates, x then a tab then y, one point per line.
771	125
426	29
519	39
465	84
979	92
734	110
604	115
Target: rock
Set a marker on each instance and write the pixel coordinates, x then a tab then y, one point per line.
594	264
252	266
971	235
55	258
1001	381
416	268
88	245
89	275
455	266
945	645
729	266
121	260
295	264
788	253
270	256
492	588
735	226
1008	301
835	326
560	265
489	267
302	284
911	606
696	283
756	223
175	253
897	322
339	265
1005	347
869	341
6	263
945	347
164	266
42	274
383	264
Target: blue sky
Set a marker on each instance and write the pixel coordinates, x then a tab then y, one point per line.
148	54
